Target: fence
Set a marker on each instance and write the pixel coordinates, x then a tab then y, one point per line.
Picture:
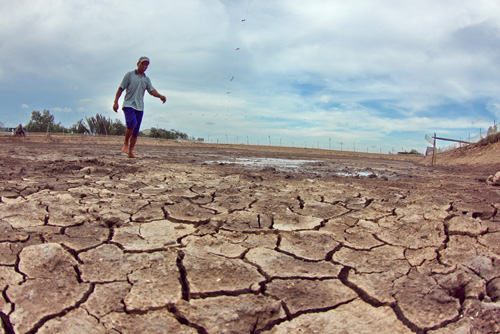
457	143
470	140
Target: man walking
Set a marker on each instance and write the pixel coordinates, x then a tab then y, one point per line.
134	83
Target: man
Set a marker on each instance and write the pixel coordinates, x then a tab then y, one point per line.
135	83
20	131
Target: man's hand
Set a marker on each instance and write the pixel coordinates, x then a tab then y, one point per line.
117	97
158	95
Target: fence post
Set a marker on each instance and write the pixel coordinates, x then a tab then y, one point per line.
434	150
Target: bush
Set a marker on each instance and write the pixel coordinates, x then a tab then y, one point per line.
490	139
413	152
172	134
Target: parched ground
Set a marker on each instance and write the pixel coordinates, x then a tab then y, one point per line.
200	238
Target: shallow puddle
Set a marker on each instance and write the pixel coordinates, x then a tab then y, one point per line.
297	165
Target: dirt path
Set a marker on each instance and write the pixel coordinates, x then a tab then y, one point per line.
196	238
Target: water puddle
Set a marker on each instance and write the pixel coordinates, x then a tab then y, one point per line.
317	167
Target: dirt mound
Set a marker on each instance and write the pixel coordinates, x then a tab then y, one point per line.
480	157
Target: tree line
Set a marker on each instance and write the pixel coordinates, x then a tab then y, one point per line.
94	125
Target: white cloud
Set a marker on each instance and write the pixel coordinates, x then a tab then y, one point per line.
367	68
61	110
493	106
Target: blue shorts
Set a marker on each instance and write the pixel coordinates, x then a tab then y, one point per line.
133	118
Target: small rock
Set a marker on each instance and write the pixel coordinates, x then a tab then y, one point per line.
493	289
494	180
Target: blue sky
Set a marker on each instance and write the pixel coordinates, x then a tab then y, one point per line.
370	75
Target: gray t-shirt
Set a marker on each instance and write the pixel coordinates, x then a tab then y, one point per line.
135	86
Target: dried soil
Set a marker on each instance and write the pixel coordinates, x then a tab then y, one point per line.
203	238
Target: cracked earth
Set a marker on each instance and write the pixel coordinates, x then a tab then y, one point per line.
226	239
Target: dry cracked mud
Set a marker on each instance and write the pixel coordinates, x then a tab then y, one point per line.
198	238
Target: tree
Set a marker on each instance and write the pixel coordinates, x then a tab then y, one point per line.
100	125
118	128
43	122
172	134
79	127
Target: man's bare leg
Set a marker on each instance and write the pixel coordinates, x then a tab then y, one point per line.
133	140
128	135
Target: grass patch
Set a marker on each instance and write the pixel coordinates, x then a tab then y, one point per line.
490	139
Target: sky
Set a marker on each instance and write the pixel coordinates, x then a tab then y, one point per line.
359	75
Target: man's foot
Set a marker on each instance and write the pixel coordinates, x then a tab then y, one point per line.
132	155
125	148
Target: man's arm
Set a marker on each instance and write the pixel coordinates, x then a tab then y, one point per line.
118	94
158	95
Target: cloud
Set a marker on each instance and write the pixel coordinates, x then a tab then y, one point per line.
354	70
493	106
61	110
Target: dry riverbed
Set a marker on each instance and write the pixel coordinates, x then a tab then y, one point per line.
200	238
